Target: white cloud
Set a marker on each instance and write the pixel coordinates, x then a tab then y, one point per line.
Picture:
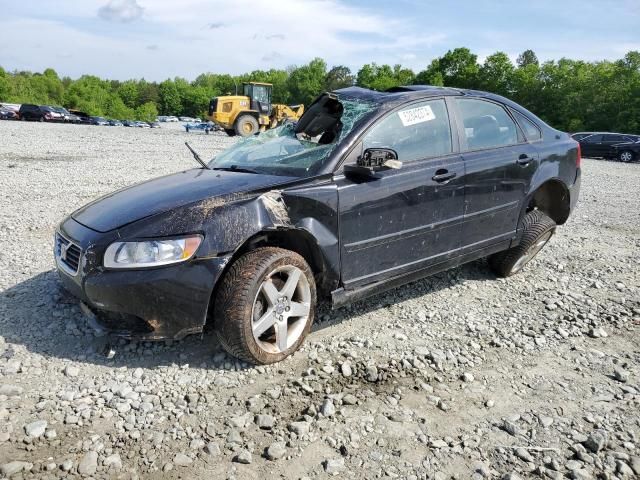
124	11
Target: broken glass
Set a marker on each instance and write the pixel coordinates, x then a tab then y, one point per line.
280	151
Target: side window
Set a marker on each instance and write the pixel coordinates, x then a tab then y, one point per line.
531	130
486	124
420	130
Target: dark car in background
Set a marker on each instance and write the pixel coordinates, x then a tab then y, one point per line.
6	114
82	117
99	121
30	112
627	152
600	145
366	192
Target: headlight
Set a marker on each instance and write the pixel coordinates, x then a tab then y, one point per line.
151	253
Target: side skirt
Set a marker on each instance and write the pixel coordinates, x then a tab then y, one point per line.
343	296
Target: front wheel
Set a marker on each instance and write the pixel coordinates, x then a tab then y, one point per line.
246	126
625	156
265	305
538	230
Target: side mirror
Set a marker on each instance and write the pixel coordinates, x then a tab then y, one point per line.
373	160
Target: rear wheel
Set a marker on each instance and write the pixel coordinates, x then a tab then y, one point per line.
538	230
625	156
265	305
246	125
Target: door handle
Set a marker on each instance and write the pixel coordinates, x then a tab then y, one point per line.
524	159
443	175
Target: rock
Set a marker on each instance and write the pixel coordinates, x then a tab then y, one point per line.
333	466
349	399
11	468
299	428
89	463
10	390
71	371
621	375
598	333
276	451
596	441
244	457
327	408
113	462
212	449
36	429
265	422
523	455
182	460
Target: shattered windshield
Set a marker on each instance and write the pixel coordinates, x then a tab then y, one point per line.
282	151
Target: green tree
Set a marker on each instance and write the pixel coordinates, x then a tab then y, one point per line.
528	57
496	74
338	77
306	83
147	112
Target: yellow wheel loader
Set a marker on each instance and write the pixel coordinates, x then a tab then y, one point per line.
251	112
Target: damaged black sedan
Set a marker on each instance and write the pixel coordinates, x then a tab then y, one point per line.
368	191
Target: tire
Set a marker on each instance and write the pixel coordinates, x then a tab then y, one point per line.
248	323
626	156
230	132
246	126
538	230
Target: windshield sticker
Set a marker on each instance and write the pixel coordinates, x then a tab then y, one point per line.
416	115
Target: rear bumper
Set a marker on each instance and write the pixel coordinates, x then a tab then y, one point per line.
574	190
147	304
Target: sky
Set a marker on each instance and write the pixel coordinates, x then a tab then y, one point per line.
159	39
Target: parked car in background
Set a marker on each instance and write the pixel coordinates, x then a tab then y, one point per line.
600	145
628	151
82	117
205	127
99	121
30	112
67	116
6	114
366	192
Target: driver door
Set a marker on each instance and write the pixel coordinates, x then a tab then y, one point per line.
409	218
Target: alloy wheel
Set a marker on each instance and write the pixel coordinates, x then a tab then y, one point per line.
531	252
281	309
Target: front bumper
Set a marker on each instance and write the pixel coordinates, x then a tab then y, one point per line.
147	304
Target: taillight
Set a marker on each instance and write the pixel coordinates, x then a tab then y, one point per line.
579	157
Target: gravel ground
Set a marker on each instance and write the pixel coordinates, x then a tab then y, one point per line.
461	375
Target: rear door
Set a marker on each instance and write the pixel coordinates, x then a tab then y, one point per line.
499	165
591	146
608	141
409	218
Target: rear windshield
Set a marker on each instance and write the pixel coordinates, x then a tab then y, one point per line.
281	151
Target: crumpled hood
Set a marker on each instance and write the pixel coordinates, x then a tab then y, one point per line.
165	193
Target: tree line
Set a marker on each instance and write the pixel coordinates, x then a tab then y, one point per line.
571	95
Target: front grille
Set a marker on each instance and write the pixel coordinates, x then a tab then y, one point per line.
67	254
